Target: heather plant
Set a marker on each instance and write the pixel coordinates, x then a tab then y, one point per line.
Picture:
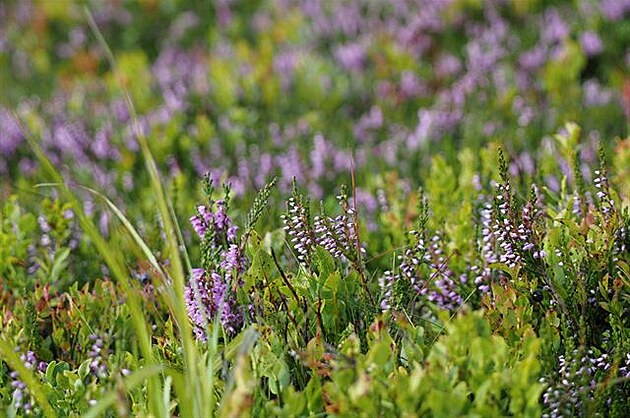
408	226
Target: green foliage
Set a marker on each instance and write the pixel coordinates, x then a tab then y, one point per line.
480	270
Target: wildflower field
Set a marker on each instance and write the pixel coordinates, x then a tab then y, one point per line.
314	208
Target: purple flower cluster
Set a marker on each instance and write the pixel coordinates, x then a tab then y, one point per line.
506	237
386	283
435	283
513	237
443	290
491	61
21	397
607	204
297	226
530	214
336	235
615	10
210	291
11	136
577	379
504	229
98	352
591	43
217	222
488	250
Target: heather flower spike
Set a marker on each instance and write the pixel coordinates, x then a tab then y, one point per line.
297	225
211	291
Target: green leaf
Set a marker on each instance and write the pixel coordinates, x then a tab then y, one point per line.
313	391
59	264
324	262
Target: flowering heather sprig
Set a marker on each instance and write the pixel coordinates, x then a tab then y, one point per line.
442	289
576	380
21	397
199	302
338	235
210	291
622	240
407	273
504	225
331	235
98	352
507	234
607	204
504	228
483	274
386	283
298	227
433	282
210	294
393	284
487	236
530	214
217	222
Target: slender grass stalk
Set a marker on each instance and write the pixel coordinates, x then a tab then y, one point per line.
167	396
193	396
110	255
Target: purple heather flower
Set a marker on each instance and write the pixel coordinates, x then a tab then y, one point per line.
97	353
342	161
351	56
290	164
615	10
533	59
20	394
297	227
265	168
104	224
11	136
554	28
411	85
591	43
370	121
366	200
209	293
197	302
576	379
595	94
336	235
320	154
285	64
184	22
386	283
447	65
218	221
111	13
431	124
